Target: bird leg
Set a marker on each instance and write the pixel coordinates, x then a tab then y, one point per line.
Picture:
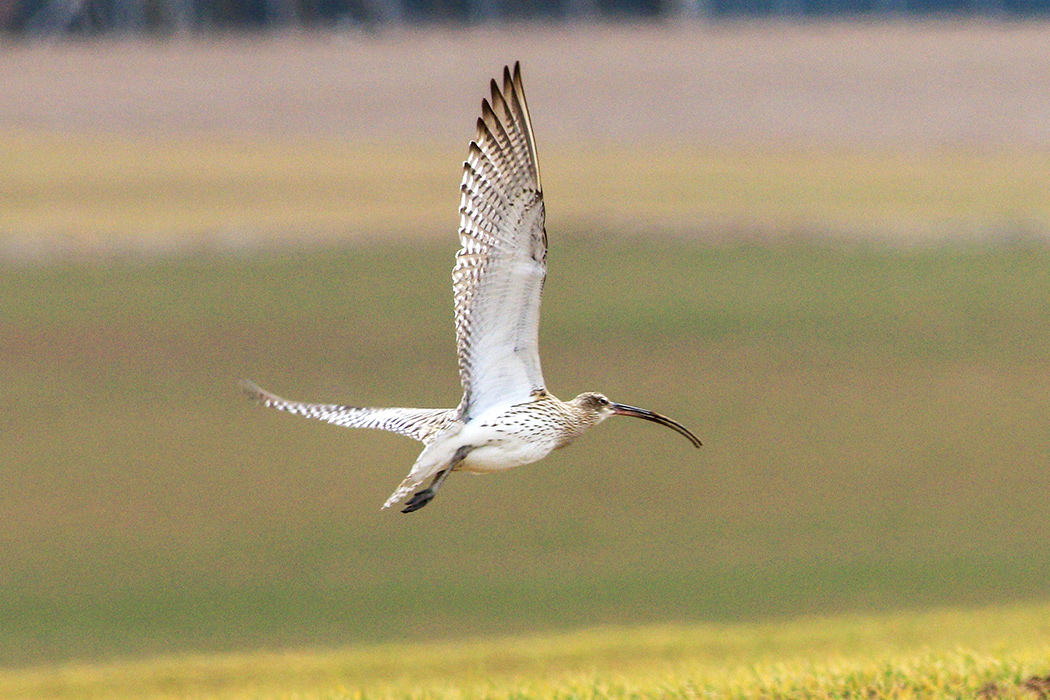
425	496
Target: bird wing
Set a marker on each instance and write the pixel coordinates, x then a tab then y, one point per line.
499	271
417	423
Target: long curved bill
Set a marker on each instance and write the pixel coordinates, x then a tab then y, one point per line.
624	410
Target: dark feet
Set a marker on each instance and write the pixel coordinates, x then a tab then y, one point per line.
418	500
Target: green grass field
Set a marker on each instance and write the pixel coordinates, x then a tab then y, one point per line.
991	653
874	423
873	413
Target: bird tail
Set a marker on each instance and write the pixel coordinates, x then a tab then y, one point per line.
407	486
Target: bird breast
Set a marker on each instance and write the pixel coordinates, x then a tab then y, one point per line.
521	434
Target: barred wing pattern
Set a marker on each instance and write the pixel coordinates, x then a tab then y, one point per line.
499	272
421	424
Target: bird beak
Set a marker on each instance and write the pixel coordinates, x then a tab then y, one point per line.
624	410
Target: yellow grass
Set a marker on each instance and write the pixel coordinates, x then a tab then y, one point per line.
942	654
101	193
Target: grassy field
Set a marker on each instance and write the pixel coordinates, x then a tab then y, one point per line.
822	247
873	419
71	194
990	653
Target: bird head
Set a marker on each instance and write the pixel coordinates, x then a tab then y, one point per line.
597	407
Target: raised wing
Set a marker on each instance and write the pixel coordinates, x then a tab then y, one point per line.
499	272
417	423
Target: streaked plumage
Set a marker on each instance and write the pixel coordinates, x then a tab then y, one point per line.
506	417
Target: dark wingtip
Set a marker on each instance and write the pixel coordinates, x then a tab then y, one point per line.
484	133
257	393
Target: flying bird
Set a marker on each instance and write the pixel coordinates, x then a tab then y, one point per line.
507	417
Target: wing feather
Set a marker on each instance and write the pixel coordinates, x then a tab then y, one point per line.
417	423
501	266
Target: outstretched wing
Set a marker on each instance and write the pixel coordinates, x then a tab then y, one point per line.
417	423
500	269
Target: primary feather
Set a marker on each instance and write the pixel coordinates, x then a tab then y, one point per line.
499	272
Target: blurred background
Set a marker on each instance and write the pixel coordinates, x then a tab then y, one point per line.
813	232
50	17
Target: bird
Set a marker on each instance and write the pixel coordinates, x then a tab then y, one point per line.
506	417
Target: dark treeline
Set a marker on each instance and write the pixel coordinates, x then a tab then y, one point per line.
56	17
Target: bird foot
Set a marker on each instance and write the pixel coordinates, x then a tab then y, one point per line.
418	500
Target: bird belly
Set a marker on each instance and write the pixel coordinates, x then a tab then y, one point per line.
505	454
497	449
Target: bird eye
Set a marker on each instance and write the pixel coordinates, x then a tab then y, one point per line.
603	401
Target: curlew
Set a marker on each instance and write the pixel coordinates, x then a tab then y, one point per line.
507	417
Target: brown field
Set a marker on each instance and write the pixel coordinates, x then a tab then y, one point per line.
905	131
920	84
